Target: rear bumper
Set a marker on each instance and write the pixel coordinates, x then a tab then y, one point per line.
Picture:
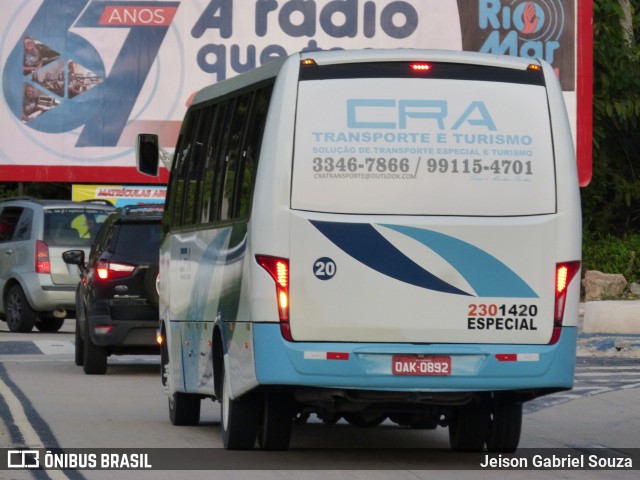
123	333
44	296
368	366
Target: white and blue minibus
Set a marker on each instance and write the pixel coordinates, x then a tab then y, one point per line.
373	236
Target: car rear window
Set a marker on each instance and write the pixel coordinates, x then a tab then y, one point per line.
455	140
72	226
140	241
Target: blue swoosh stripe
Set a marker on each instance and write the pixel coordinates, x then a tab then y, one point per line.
364	243
487	275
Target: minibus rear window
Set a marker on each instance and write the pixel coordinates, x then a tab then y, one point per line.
416	144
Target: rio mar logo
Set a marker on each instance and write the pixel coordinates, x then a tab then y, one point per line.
55	81
525	28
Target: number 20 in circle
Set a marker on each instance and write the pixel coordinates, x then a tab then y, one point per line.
324	268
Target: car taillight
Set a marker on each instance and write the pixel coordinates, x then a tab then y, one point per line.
278	268
564	274
111	271
43	265
103	329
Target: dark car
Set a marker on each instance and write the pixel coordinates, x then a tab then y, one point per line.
117	299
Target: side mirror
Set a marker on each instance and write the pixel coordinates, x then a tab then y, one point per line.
148	154
74	257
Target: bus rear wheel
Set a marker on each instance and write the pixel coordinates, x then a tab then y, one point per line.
469	426
277	421
505	426
239	418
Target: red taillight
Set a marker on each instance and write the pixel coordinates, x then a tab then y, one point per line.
278	268
43	265
103	329
420	67
111	271
564	274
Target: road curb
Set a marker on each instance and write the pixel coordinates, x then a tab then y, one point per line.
609	328
612	316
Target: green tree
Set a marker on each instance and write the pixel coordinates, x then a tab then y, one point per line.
55	191
611	203
8	190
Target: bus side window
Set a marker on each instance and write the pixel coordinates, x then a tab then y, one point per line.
195	169
209	165
251	151
234	151
167	215
182	167
215	170
221	169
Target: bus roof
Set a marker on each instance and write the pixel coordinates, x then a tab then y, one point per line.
325	57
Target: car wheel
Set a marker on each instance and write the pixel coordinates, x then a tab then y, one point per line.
184	408
50	324
277	421
239	418
468	427
80	320
20	316
505	426
79	347
94	358
364	419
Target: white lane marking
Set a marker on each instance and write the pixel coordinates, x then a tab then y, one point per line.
609	375
55	347
30	436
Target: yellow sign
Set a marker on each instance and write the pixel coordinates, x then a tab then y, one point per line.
120	195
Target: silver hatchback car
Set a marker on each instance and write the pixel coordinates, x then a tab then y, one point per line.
37	287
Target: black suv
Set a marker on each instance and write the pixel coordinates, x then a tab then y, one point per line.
117	299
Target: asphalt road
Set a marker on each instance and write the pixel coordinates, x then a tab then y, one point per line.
47	402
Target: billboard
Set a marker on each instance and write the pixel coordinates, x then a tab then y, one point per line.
120	195
81	78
